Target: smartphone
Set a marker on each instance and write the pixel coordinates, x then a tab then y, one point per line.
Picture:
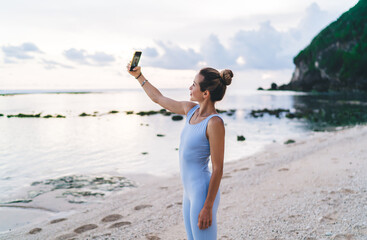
135	60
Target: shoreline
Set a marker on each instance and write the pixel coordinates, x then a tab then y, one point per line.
312	189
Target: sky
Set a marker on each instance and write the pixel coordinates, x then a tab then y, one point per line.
80	44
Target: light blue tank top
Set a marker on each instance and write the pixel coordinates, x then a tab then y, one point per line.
194	152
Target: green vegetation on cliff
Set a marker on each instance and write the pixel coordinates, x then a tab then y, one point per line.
340	51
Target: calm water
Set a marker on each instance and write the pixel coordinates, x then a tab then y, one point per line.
35	149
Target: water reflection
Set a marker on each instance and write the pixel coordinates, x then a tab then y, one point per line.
331	110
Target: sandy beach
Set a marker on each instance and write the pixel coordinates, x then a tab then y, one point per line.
315	188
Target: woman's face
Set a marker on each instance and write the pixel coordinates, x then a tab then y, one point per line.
195	93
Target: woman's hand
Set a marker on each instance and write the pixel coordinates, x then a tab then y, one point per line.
135	72
205	218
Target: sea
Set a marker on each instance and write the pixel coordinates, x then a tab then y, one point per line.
100	133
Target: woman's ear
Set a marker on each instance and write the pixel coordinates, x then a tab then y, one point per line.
206	94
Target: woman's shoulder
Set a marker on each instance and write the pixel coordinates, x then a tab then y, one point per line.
215	121
215	127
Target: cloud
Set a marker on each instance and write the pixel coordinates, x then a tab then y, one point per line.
262	48
74	55
82	57
215	54
49	64
101	58
150	52
314	20
174	57
20	52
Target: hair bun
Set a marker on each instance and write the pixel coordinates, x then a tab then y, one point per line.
227	76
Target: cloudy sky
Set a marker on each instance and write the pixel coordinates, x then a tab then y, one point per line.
84	44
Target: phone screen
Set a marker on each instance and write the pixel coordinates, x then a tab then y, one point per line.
135	60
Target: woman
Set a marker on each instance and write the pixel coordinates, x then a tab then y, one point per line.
201	138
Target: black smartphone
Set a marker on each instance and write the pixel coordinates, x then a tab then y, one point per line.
135	60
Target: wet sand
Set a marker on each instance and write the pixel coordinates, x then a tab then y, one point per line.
315	188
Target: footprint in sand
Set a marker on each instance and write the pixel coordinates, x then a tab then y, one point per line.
163	188
329	218
346	191
344	237
58	220
66	236
241	169
119	224
152	237
283	169
226	176
35	230
111	218
169	206
139	207
85	228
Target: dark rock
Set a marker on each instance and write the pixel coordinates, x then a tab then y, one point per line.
22	115
274	86
129	112
113	111
289	141
20	201
96	184
160	135
221	111
260	88
47	116
167	114
144	153
142	113
177	117
294	115
241	138
1	115
85	115
260	112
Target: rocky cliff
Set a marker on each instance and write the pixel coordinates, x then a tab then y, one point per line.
336	59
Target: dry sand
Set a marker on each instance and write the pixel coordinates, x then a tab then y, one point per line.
315	188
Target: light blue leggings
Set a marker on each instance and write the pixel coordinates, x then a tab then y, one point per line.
191	209
194	158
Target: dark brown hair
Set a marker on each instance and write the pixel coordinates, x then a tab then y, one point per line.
215	82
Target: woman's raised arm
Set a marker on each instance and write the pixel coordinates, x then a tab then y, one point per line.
178	107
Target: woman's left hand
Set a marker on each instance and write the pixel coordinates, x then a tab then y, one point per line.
205	218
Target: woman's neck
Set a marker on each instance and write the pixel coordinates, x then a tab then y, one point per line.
206	108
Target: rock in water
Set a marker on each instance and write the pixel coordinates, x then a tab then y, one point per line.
177	117
241	138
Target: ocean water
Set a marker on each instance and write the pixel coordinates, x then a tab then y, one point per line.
37	149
